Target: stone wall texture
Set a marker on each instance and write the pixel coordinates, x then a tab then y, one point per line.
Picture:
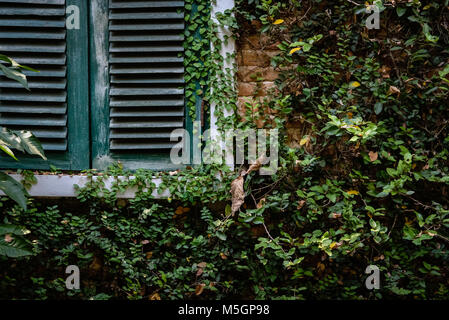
255	76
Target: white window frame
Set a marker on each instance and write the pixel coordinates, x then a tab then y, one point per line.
62	185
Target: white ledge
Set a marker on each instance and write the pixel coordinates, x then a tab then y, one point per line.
62	186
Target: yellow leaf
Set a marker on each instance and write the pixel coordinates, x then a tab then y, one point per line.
292	51
304	141
354	84
154	296
279	21
354	192
333	244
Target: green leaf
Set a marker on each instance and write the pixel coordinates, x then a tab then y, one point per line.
15	75
378	107
10	139
221	235
7	151
306	47
400	11
23	141
30	143
14	64
429	36
13	189
15	247
12	229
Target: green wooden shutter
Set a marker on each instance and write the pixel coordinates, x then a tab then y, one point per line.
33	32
137	88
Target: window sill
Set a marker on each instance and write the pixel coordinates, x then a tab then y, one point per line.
62	186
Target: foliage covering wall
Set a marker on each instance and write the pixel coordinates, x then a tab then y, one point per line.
368	184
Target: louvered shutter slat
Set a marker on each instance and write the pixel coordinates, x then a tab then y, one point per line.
51	121
146	16
59	60
121	48
33	11
31	22
122	114
141	146
145	4
143	103
35	85
147	27
139	124
33	109
60	2
128	60
128	70
34	34
146	94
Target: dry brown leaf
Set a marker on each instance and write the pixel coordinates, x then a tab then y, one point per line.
223	256
301	204
200	267
199	289
121	203
373	156
256	165
96	264
8	238
385	71
320	266
336	215
154	296
261	203
381	257
148	255
238	194
393	89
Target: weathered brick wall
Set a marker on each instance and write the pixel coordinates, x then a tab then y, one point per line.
256	76
253	58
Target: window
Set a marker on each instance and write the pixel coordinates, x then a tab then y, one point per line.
111	90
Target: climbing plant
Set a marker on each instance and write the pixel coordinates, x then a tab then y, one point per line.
362	177
12	242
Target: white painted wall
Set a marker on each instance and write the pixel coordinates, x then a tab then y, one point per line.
228	48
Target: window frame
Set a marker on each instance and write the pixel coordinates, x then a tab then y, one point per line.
84	116
77	155
99	103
